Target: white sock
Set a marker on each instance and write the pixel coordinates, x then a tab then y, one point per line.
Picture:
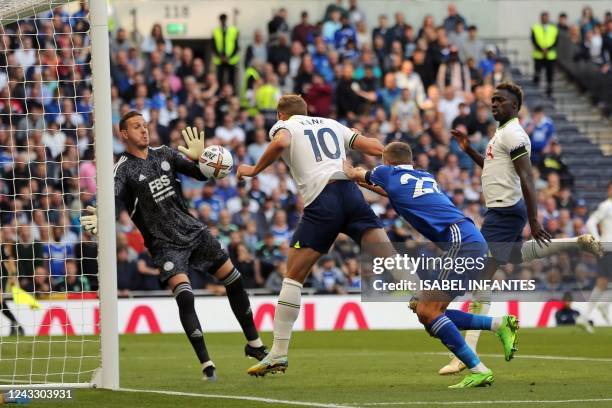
596	294
287	311
496	323
255	343
531	249
481	308
479	368
207	364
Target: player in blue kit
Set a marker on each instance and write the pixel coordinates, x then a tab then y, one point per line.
415	196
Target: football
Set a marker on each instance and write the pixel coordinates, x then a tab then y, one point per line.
216	162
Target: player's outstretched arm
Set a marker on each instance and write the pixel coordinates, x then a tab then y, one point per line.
273	152
367	145
358	174
522	165
464	143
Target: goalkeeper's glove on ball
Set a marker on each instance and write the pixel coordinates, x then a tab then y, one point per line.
194	142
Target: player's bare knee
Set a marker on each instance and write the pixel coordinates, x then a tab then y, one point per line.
427	312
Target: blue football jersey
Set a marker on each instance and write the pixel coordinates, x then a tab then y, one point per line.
415	196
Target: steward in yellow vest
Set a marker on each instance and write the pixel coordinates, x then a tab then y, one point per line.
544	39
226	51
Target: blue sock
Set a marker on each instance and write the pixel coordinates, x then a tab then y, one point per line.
443	328
468	321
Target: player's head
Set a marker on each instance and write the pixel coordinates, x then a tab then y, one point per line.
290	105
397	153
133	130
506	101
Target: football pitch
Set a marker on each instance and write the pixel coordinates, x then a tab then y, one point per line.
554	367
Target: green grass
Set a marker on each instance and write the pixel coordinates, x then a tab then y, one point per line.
352	368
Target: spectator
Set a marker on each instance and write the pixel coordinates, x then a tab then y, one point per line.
257	51
127	272
410	80
453	73
226	51
544	39
450	22
327	278
278	25
148	274
319	97
458	37
328	31
303	32
473	46
280	52
541	131
152	41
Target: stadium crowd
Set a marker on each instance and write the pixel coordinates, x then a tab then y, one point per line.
390	79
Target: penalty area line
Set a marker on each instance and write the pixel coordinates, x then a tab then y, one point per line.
569	401
236	397
532	357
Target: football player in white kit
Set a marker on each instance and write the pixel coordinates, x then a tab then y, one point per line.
314	150
510	195
602	218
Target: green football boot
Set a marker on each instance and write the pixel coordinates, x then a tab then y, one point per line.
475	380
507	334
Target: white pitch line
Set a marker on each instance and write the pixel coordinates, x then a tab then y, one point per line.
571	401
237	397
532	356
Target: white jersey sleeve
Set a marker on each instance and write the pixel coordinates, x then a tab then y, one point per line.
348	136
281	124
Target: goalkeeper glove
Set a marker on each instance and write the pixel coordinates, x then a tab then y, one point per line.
194	142
90	222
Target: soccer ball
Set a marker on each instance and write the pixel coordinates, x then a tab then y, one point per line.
216	162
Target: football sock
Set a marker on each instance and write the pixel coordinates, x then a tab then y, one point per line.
596	294
531	249
465	321
7	312
239	302
444	329
480	307
189	319
287	311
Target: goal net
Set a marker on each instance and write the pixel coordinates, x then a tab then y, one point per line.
50	321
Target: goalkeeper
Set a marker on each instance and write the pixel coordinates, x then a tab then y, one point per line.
147	186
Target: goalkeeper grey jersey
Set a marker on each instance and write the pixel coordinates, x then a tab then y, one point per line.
151	193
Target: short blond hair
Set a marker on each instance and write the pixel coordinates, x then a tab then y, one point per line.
398	153
292	105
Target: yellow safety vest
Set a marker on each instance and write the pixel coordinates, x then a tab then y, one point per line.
245	103
545	39
265	97
231	37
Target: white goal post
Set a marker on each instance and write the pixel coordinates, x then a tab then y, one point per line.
31	357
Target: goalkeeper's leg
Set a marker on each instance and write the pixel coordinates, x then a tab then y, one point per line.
15	326
241	306
181	289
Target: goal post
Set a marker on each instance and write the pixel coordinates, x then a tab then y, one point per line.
107	255
67	336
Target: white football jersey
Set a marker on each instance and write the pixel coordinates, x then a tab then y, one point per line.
316	151
501	184
602	217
